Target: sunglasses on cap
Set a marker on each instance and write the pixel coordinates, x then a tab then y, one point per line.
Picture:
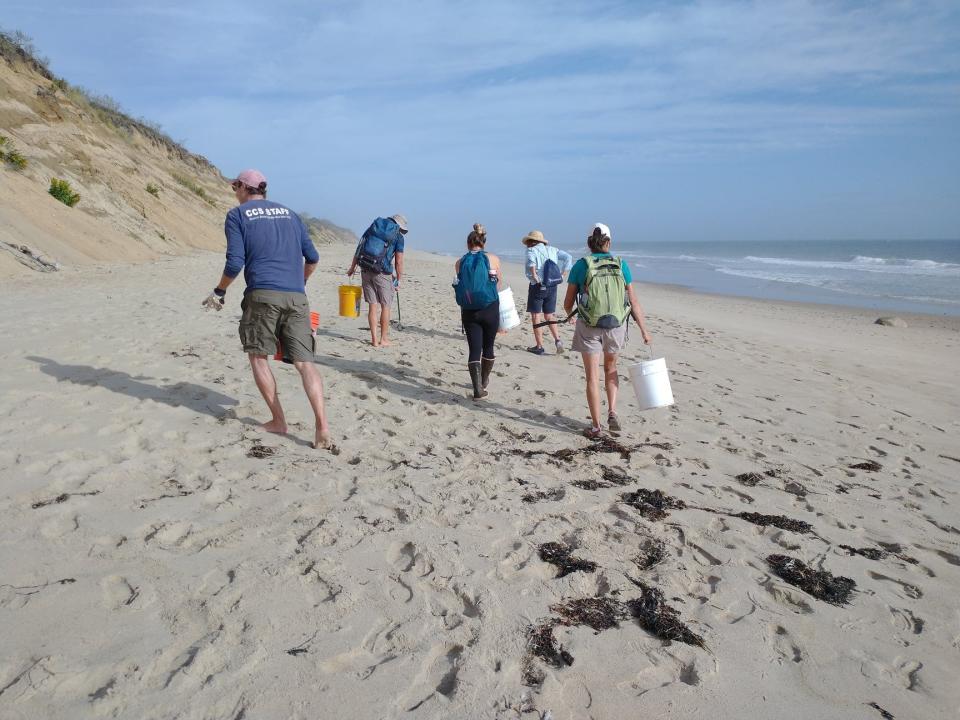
236	184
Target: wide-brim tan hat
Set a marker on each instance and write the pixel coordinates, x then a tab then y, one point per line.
534	236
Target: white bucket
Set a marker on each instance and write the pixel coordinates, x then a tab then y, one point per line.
509	319
651	383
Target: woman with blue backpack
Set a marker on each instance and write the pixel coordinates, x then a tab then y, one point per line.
476	289
602	287
544	266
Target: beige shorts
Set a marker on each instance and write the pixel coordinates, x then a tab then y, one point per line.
591	340
272	316
377	287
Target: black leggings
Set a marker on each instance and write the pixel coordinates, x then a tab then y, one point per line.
481	327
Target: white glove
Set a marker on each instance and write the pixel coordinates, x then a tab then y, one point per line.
214	301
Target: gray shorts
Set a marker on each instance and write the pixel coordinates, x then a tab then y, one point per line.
271	317
377	287
591	340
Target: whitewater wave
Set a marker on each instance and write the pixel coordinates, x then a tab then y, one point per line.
906	266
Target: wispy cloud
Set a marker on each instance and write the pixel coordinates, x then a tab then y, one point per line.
381	101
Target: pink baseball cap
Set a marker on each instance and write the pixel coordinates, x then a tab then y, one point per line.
250	178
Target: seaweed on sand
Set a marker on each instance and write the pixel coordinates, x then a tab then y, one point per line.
823	585
867	552
868	465
652	504
542	644
653	614
611	476
615	476
596	612
590	484
537	496
261	451
651	552
559	554
777	521
750	479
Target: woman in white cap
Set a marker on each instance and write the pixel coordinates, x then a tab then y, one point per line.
544	267
602	287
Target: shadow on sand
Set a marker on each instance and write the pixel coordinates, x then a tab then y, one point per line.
197	398
408	383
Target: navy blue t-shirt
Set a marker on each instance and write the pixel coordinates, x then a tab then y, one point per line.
269	242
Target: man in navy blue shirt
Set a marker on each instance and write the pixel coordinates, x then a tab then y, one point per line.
271	245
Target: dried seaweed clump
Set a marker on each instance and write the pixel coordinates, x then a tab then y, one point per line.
750	479
261	451
590	484
559	554
542	644
615	476
777	521
554	494
652	504
597	612
651	552
834	589
867	552
653	614
868	465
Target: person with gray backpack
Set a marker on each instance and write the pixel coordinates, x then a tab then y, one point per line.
602	287
544	266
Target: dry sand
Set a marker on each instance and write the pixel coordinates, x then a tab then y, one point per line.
154	565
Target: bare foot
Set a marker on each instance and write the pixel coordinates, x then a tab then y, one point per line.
275	426
375	343
385	343
322	440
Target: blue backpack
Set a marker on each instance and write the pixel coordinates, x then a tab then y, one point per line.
475	289
376	243
551	275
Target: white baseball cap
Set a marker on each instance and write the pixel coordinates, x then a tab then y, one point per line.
602	228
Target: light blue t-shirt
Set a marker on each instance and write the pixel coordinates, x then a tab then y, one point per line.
538	255
578	274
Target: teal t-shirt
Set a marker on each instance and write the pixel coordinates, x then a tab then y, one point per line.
578	274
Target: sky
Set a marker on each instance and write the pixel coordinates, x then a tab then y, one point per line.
767	120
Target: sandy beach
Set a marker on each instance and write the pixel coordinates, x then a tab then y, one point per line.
161	557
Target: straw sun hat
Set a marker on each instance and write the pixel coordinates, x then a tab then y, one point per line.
534	236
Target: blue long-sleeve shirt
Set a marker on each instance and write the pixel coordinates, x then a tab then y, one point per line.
269	242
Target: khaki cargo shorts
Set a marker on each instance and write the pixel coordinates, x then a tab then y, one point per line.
591	340
377	287
272	316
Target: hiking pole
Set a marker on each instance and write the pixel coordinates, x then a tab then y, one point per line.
399	318
557	322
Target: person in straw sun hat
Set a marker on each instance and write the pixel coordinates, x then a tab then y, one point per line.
544	266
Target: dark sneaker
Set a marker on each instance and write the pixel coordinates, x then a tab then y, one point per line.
614	422
536	350
559	347
593	433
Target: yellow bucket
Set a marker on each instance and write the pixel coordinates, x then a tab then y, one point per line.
349	301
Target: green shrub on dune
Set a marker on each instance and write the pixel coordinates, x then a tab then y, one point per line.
10	155
62	191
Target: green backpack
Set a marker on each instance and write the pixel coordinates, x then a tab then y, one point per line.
603	300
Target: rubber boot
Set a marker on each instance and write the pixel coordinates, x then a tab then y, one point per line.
478	392
486	366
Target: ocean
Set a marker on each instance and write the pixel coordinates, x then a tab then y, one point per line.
920	276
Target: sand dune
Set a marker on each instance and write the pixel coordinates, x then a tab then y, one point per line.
161	557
